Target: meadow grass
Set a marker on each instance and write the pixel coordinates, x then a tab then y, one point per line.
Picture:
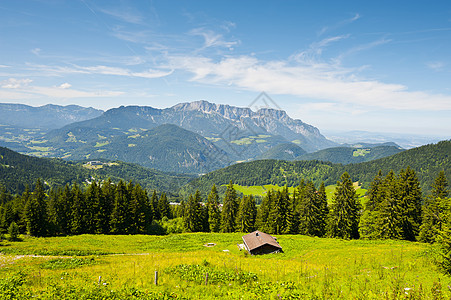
261	190
309	268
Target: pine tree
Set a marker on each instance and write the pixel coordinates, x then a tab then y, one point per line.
343	219
368	227
154	206
214	213
262	223
78	209
321	200
120	217
389	216
313	211
192	221
435	210
138	210
36	212
229	210
277	216
92	199
163	206
108	190
292	215
410	196
247	213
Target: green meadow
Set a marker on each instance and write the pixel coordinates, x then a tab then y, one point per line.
261	190
123	267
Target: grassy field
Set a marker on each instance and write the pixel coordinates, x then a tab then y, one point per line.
261	191
123	267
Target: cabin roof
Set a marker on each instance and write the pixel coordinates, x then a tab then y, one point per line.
257	239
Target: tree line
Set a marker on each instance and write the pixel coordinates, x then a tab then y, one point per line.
106	208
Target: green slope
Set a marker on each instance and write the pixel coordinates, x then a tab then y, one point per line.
348	155
17	171
427	161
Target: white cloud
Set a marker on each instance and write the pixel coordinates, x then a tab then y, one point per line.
309	80
21	89
36	51
435	65
65	85
124	14
102	70
212	39
13	83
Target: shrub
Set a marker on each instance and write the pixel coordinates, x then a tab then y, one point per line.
13	232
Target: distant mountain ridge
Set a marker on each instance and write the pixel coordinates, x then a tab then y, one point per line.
212	121
45	117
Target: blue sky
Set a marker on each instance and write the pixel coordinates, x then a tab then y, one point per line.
381	66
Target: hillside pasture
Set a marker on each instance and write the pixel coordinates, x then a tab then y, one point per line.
116	267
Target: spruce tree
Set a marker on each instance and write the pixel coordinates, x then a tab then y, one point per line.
36	211
262	221
163	206
292	215
78	209
192	220
343	219
277	217
410	196
389	216
138	210
434	211
154	206
92	200
229	210
321	200
368	227
214	213
247	213
120	217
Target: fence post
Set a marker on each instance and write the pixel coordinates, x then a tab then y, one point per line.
156	277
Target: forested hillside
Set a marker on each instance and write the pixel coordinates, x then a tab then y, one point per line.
427	161
348	155
17	171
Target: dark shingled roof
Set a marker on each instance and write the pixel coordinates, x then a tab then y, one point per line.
257	239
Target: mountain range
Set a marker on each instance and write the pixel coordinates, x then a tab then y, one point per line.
195	137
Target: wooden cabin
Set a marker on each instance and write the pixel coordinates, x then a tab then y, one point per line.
258	242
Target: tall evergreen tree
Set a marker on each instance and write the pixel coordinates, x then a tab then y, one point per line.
410	196
120	217
293	214
138	210
343	219
247	213
36	211
368	227
92	199
154	206
192	221
78	209
321	203
214	213
262	223
277	214
163	206
389	216
63	208
229	210
435	210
